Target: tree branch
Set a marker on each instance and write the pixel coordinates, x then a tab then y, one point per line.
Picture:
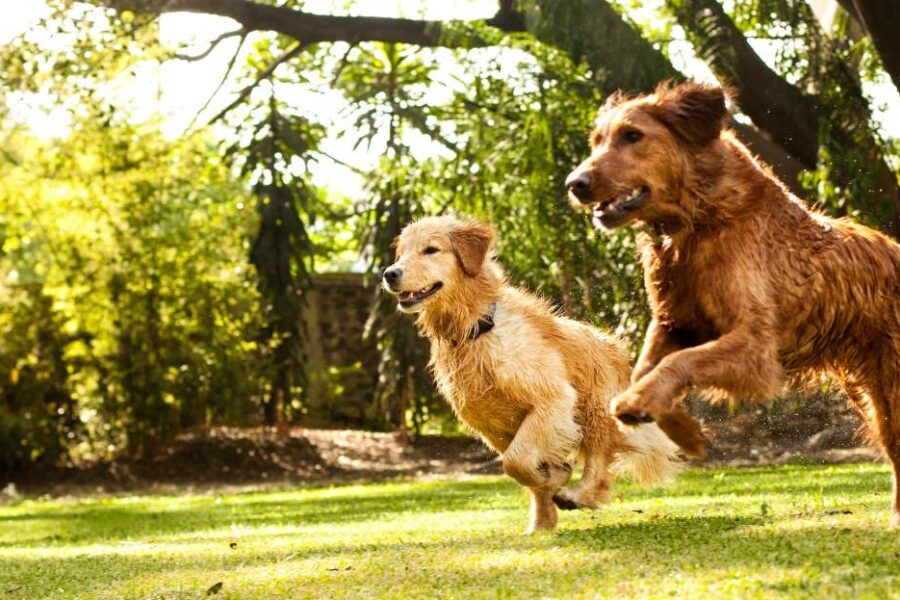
311	28
786	166
242	95
789	116
592	31
212	46
508	18
848	6
589	30
222	82
342	64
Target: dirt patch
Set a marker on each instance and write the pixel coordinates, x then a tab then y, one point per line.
241	456
812	429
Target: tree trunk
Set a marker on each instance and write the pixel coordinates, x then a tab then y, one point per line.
792	118
772	103
881	18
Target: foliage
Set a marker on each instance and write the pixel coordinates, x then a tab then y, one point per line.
33	357
128	313
526	124
786	532
384	84
282	250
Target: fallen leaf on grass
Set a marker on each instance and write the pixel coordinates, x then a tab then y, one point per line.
838	511
214	589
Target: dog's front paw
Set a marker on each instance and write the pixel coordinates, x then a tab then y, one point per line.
631	408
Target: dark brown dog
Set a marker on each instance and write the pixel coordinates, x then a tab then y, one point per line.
746	283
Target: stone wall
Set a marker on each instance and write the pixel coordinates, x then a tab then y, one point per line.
342	367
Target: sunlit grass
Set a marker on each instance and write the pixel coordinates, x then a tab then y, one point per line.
816	532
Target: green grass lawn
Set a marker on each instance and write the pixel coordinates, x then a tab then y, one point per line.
797	531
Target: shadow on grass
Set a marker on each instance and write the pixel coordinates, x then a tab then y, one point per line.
99	521
615	553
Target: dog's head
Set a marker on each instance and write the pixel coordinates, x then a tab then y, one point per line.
435	255
640	150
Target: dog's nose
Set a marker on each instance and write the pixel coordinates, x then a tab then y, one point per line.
579	184
392	276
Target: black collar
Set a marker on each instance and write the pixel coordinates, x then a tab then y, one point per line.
485	323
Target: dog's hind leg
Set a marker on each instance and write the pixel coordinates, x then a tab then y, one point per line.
599	440
593	487
893	452
888	430
892	422
879	401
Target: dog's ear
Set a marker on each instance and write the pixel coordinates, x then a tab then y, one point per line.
695	112
471	242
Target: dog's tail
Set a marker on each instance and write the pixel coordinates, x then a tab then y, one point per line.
651	459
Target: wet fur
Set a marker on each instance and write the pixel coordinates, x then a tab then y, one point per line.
537	387
747	285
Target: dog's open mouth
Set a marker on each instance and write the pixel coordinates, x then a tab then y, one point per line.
408	299
614	211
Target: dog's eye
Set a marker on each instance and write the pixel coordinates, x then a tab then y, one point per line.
431	250
632	136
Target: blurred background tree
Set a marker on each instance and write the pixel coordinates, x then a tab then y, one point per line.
153	276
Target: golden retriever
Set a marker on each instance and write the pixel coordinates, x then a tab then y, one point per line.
746	283
535	386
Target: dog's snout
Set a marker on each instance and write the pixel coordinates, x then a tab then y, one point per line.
392	275
579	184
